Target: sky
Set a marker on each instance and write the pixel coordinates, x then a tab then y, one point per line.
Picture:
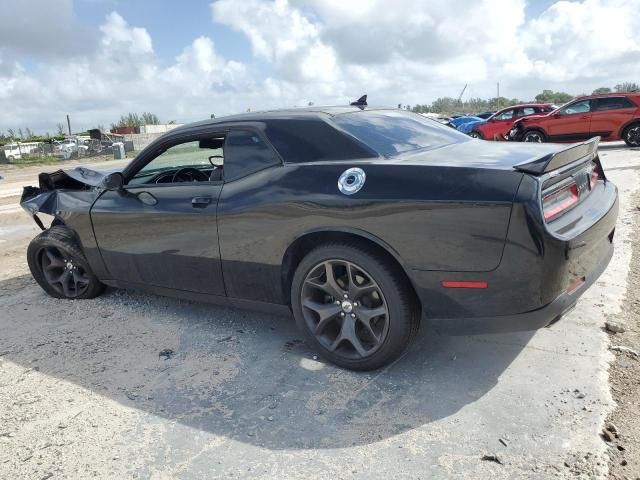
98	59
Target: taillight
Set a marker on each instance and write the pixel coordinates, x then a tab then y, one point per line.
556	203
595	176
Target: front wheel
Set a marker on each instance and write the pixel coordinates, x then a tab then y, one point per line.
59	266
534	136
475	134
632	135
356	309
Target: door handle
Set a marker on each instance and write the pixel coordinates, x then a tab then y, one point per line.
200	202
584	117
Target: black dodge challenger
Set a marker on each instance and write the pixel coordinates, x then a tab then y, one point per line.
360	221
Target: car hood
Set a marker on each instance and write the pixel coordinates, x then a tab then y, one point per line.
480	154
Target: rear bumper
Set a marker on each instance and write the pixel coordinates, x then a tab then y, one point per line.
529	289
532	320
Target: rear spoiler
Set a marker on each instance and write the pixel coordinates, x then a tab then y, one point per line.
553	161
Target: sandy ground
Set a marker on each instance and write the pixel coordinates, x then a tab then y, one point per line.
622	428
139	386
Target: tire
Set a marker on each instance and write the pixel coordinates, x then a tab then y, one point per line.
474	134
534	136
378	295
631	135
11	158
59	266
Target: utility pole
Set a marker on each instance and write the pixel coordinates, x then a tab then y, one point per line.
462	93
498	96
69	124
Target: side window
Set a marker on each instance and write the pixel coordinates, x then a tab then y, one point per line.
245	152
579	107
613	103
526	111
506	115
192	161
312	141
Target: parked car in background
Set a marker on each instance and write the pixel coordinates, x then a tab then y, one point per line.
70	147
359	221
613	116
498	125
12	152
459	121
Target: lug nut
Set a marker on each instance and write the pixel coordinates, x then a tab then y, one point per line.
353	315
355	304
342	314
346	296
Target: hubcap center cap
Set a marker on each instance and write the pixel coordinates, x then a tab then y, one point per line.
347	306
69	266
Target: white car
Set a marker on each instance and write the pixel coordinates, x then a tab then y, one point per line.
12	152
70	146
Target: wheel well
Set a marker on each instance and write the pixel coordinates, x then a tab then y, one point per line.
303	245
535	129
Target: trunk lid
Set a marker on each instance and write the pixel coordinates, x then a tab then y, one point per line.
480	154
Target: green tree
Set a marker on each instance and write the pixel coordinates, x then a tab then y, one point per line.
132	119
600	90
11	133
444	105
549	96
151	119
627	87
60	128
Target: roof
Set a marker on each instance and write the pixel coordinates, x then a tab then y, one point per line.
279	113
606	95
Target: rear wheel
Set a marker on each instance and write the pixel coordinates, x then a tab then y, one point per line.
475	134
632	135
535	136
59	266
356	309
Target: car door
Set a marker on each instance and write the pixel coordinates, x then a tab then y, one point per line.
160	229
571	122
610	114
500	123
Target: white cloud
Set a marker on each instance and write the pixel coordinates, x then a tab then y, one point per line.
326	51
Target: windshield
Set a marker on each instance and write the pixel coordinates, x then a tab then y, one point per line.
391	132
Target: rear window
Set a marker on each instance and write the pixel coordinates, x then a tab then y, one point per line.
613	103
312	140
391	132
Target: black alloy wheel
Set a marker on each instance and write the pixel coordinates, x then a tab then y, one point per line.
345	309
59	266
67	278
355	305
632	136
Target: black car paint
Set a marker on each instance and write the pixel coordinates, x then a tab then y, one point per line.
462	211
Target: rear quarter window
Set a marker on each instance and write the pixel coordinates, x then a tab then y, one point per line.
613	103
312	140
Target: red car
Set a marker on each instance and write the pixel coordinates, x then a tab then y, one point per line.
612	116
498	125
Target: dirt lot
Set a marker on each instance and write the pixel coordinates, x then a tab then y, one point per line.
137	386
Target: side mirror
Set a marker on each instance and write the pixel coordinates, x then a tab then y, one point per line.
114	181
